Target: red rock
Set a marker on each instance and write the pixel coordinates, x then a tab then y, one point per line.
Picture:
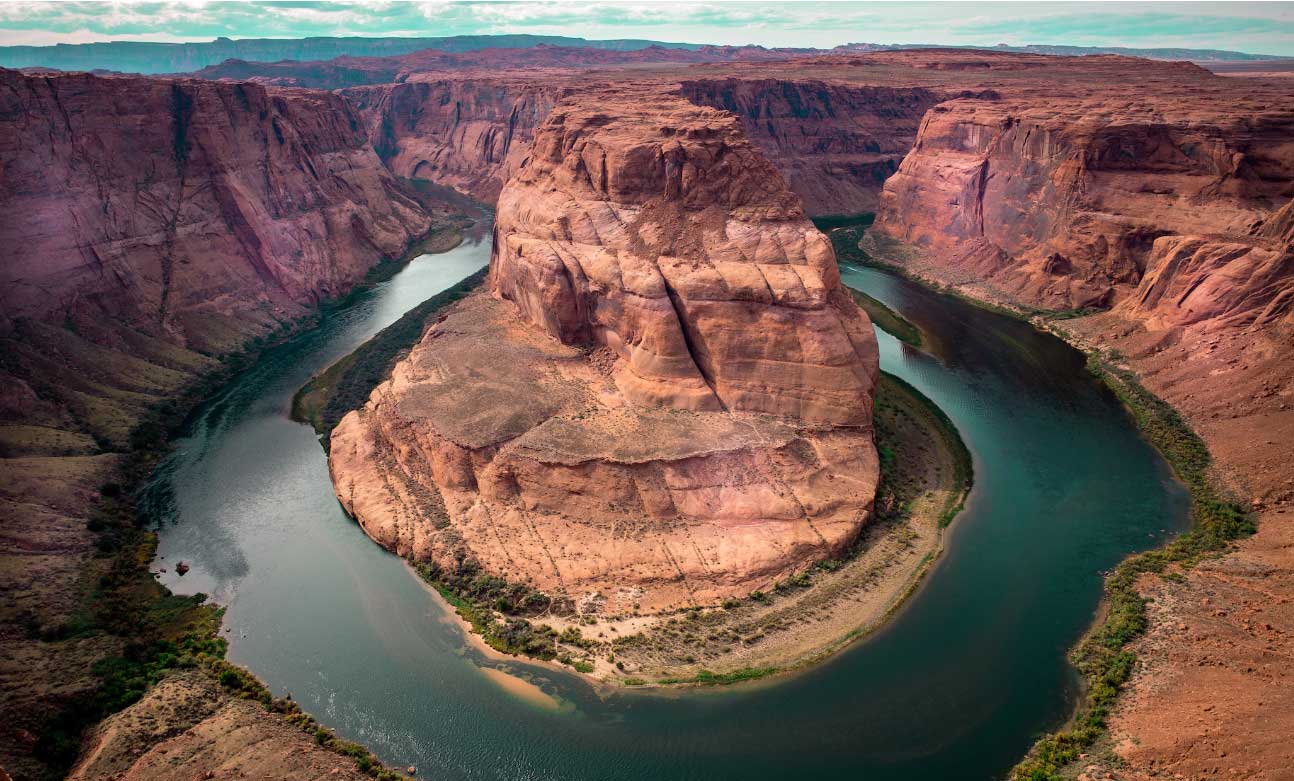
663	234
682	411
1077	200
835	144
176	206
466	133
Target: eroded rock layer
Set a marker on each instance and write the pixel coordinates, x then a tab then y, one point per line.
1171	207
1075	202
148	227
467	133
171	205
665	401
835	144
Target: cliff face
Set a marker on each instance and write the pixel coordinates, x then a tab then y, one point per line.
1166	197
147	226
175	207
682	411
835	144
1070	204
672	250
469	134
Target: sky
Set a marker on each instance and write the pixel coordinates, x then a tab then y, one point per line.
1263	28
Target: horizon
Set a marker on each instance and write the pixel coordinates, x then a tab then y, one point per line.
1251	28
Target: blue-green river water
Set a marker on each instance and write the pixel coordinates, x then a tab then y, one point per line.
956	686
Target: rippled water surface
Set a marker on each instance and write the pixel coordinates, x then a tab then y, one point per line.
957	686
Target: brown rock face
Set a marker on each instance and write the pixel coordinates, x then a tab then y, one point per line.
835	144
147	226
1176	209
668	238
1066	203
1194	279
165	205
465	133
186	727
682	411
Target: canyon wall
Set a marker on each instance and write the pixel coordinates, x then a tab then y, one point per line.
169	206
469	134
1072	203
675	407
1165	197
147	227
835	144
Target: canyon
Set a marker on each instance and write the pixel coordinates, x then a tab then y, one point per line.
152	228
649	214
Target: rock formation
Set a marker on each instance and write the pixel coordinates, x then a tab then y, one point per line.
1172	208
652	454
675	403
467	133
149	227
187	726
349	71
835	144
182	207
1071	202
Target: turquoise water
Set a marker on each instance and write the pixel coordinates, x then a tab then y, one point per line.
957	686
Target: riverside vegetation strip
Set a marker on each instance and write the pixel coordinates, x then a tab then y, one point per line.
1103	657
845	232
158	633
926	475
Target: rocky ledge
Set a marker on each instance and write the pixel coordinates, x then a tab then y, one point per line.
663	400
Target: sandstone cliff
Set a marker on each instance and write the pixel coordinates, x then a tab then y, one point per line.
1165	196
469	134
682	410
167	205
835	144
1069	203
147	227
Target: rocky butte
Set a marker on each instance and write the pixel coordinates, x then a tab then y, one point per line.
625	441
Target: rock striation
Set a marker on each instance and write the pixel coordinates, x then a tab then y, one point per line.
835	144
1175	213
675	404
1076	202
467	133
150	227
179	207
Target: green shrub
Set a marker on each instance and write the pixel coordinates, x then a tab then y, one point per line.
1102	657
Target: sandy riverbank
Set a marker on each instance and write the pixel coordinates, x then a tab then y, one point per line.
788	628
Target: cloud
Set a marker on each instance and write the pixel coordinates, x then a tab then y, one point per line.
1265	27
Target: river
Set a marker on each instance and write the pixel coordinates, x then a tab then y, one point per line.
956	686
